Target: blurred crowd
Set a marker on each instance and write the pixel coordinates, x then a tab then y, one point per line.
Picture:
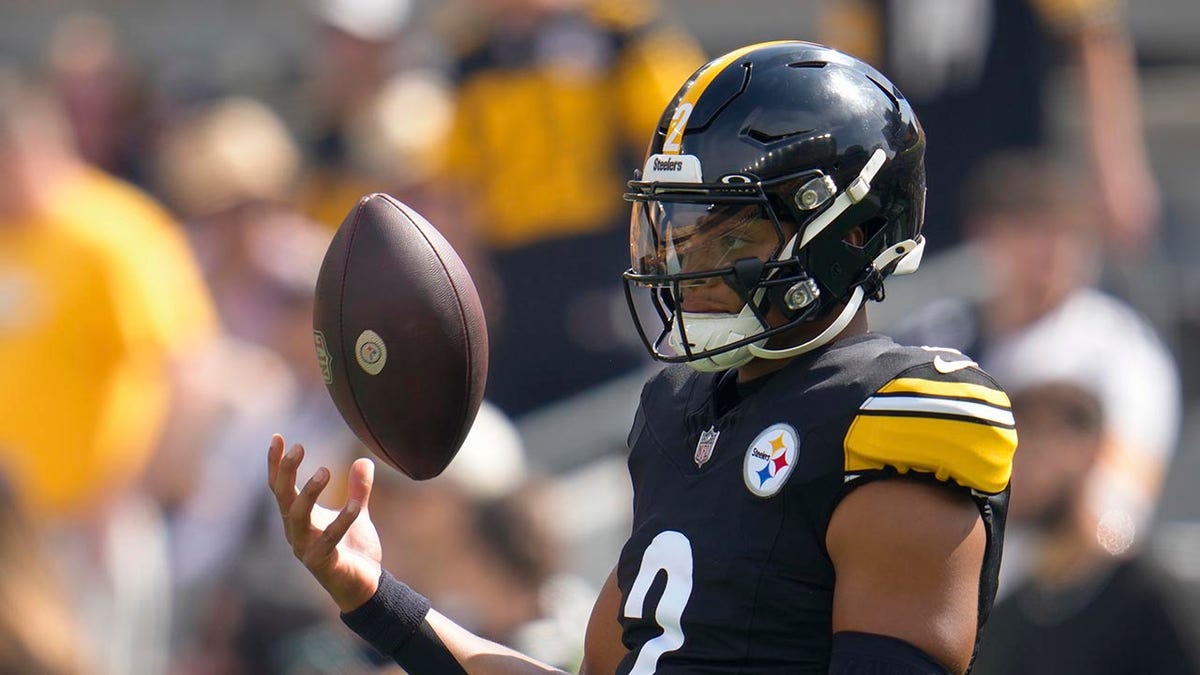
159	245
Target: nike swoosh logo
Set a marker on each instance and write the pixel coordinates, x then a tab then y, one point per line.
946	367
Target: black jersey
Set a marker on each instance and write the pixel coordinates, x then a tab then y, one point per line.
726	570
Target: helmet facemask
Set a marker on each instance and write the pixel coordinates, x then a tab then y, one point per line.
716	260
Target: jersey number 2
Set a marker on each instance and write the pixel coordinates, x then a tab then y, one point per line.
670	552
675	130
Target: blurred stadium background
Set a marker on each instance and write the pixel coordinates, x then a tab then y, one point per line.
566	452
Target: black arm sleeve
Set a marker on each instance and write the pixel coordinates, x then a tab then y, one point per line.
870	654
393	622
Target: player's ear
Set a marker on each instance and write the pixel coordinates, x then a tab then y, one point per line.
856	237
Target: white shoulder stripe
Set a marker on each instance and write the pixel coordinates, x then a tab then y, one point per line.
942	406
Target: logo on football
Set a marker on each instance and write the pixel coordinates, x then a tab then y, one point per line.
324	360
370	352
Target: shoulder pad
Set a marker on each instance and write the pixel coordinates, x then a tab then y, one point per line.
944	417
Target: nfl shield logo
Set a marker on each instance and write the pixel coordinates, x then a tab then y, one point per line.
323	357
704	449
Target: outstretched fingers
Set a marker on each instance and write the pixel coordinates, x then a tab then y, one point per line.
325	544
274	455
285	478
284	484
298	519
362	477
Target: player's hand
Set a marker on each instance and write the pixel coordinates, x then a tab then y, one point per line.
340	548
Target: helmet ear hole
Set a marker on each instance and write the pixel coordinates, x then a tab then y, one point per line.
856	237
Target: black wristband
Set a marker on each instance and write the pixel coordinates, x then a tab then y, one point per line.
425	654
870	654
393	622
391	617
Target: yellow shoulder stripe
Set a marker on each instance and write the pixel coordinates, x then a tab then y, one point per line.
913	385
978	456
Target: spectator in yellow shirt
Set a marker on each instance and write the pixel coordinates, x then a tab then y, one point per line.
99	299
102	314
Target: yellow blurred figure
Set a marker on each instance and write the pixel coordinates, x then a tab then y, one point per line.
144	240
553	100
98	294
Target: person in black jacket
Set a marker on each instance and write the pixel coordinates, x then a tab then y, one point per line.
1092	604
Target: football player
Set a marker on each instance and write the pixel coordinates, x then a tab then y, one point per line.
808	496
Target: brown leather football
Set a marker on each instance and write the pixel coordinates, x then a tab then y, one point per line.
400	336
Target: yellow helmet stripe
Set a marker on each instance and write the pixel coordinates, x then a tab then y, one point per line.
683	110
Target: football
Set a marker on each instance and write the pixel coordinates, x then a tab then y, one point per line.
400	336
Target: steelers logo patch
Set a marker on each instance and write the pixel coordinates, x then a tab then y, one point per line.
770	459
370	352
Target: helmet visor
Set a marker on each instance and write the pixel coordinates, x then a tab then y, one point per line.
689	242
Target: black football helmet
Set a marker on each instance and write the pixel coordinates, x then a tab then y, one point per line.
762	164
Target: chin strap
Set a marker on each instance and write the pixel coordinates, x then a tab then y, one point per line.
707	331
889	256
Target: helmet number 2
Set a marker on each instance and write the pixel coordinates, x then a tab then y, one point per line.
670	552
678	123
